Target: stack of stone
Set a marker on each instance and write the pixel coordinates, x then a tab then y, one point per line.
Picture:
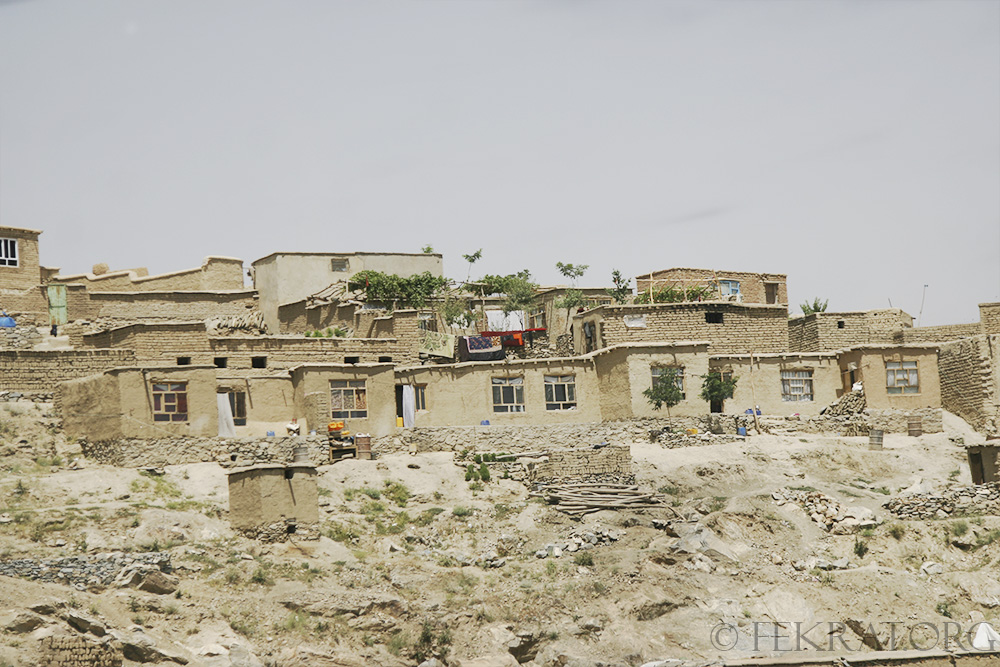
19	338
981	499
848	404
83	571
579	540
835	517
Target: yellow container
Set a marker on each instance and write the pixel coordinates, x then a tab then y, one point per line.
399	422
692	431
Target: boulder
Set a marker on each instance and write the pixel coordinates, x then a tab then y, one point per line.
20	621
86	624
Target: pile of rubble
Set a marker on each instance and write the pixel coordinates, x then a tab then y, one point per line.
84	572
19	338
252	322
676	439
835	517
849	404
579	540
981	499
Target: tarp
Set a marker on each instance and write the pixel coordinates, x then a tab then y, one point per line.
986	638
227	428
409	406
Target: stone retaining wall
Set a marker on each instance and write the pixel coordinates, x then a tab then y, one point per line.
19	338
981	499
889	421
278	532
230	452
82	571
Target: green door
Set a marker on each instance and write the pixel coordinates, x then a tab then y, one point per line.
57	303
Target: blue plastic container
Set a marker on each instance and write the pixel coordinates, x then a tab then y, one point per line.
741	430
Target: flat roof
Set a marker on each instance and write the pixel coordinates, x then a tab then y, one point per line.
20	229
348	254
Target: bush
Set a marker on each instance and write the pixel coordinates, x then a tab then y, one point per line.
584	558
897	530
484	472
461	511
860	548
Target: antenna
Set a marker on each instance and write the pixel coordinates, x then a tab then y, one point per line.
922	297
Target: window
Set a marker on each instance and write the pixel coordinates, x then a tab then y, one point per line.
238	404
560	392
536	319
338	264
713	318
8	252
729	287
901	377
508	394
385	360
348	399
796	385
657	371
352	360
221	362
258	362
420	396
427	322
170	402
183	361
840	324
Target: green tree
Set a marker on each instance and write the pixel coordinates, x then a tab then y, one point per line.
817	306
572	271
718	387
517	289
427	249
664	391
472	258
622	290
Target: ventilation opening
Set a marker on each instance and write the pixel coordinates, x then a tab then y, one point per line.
183	361
289	474
713	318
258	362
385	360
221	362
840	324
232	457
290	528
352	360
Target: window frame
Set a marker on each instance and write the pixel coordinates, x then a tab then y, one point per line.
536	318
894	370
552	385
238	405
655	371
166	395
728	285
355	389
9	253
420	397
516	394
796	379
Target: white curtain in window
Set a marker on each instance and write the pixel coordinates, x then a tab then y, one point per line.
409	406
497	320
227	428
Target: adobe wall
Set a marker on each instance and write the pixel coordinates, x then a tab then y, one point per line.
989	318
871	372
969	381
163	306
296	318
744	329
583	463
826	332
264	499
938	334
751	284
41	371
228	452
462	394
215	274
314	381
90	407
268	399
627	372
760	383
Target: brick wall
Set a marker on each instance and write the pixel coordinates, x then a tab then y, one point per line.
296	318
744	328
41	371
938	334
826	332
583	463
989	318
216	273
968	371
166	306
27	274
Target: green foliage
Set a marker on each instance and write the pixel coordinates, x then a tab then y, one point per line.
959	528
897	530
817	306
573	298
622	290
943	608
427	249
472	258
484	472
572	271
517	288
665	390
456	312
860	548
673	294
388	288
397	492
461	511
584	558
715	387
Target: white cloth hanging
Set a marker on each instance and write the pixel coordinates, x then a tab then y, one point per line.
986	638
409	406
227	427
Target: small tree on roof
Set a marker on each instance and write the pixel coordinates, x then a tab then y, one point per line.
817	306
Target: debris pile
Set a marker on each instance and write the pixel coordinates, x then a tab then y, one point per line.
835	517
579	540
849	404
583	498
252	321
981	499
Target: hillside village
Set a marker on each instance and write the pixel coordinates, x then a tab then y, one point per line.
342	458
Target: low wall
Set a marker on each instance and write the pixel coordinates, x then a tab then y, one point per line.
981	499
889	421
231	452
583	463
41	371
19	338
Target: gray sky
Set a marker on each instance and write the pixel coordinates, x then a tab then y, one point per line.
853	145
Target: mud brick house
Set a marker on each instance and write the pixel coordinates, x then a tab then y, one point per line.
739	286
731	328
21	275
782	384
288	277
901	377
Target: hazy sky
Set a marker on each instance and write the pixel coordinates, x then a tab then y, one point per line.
853	145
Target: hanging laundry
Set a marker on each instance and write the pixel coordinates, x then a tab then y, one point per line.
437	344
